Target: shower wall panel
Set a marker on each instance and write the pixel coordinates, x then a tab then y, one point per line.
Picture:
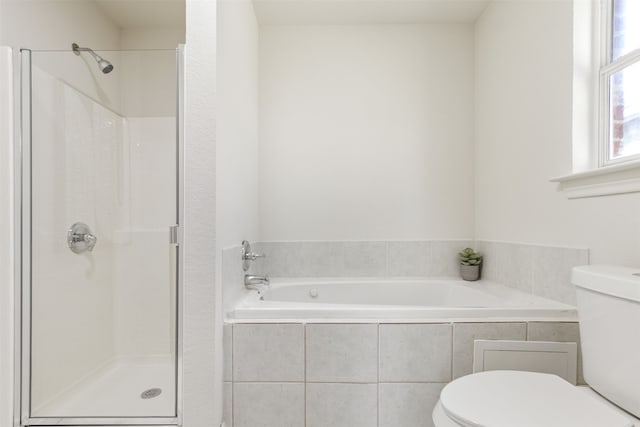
77	146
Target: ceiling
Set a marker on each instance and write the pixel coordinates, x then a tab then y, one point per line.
149	13
144	13
310	12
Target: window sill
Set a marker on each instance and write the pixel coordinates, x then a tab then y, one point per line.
617	179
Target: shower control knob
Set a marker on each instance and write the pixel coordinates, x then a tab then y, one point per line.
248	256
80	239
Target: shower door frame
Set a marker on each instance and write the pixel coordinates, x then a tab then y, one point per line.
22	404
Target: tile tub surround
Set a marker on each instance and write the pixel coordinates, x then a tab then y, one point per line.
354	374
560	332
260	354
539	270
464	335
415	352
407	404
433	258
341	353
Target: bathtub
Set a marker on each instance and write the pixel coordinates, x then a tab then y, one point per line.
402	300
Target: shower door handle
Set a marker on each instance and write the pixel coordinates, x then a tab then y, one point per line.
80	239
173	235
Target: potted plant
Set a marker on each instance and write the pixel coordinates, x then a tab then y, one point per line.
470	262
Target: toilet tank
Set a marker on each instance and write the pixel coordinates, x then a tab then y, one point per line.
609	312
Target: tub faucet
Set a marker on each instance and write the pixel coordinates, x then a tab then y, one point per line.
255	282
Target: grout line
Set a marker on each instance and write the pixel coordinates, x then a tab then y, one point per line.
378	404
378	372
378	358
532	273
343	382
268	382
386	259
452	350
232	350
233	388
305	374
415	382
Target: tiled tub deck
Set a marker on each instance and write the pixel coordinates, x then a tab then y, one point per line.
355	374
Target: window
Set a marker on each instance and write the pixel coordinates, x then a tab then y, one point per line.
620	84
606	100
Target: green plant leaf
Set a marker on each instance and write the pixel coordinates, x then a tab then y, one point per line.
468	256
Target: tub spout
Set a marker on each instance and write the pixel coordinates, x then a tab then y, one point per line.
255	282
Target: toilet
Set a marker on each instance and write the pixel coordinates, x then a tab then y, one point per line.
609	313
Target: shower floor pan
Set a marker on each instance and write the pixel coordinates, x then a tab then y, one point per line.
126	387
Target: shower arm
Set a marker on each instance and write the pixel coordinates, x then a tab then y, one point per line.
77	49
104	65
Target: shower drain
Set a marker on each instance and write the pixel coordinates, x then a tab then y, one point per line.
151	393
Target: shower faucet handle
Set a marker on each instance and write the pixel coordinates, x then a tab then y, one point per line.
248	256
80	239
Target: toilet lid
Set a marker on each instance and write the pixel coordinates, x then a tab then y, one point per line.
524	399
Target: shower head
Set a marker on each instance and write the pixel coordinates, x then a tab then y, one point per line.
104	65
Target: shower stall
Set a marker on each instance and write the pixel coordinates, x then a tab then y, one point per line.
100	209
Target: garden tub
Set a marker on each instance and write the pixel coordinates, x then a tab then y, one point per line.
395	299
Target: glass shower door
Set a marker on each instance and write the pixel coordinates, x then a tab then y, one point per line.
100	159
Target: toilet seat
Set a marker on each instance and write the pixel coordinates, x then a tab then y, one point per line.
524	399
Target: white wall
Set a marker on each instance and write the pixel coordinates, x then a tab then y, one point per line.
366	132
151	37
202	327
237	132
524	138
6	237
29	24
